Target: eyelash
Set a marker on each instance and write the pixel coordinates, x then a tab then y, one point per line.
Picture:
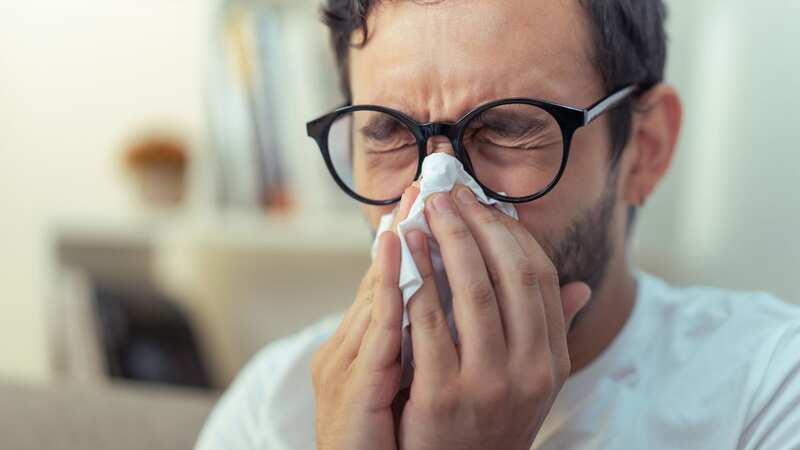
392	150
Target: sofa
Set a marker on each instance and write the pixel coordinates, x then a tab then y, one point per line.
120	417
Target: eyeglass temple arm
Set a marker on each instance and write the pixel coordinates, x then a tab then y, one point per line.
608	103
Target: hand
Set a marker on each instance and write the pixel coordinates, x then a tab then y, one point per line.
494	389
356	373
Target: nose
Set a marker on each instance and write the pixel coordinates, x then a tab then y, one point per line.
440	144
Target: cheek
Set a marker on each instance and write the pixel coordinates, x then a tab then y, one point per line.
547	218
589	158
582	185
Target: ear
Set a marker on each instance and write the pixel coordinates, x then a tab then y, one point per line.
656	125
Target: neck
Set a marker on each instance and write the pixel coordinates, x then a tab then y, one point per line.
602	319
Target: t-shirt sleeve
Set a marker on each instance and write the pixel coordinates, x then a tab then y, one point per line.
236	422
774	422
270	405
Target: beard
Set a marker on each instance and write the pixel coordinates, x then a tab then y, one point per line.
584	251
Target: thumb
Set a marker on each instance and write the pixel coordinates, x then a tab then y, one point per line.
574	296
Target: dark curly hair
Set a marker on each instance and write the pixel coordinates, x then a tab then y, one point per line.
630	46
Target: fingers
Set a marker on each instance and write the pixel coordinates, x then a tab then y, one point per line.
555	305
367	342
435	354
477	315
364	289
350	332
381	344
513	272
354	332
574	297
546	279
378	275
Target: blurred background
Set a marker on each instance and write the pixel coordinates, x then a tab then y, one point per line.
164	215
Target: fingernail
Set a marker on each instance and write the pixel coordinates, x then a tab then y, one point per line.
588	296
416	241
465	196
442	204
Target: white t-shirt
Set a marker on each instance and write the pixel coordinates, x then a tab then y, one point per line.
693	368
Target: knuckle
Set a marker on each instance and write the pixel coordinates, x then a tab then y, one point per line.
374	280
425	268
525	272
541	386
481	293
496	392
369	279
484	216
368	296
366	292
427	317
439	402
376	323
380	322
457	231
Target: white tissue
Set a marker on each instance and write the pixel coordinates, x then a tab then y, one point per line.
440	173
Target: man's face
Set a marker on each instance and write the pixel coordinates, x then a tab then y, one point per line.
436	62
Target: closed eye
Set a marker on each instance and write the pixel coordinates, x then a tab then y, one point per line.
383	133
390	149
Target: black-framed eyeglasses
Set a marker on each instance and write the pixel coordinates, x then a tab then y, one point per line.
516	149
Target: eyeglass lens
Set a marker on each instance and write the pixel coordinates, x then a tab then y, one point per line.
515	149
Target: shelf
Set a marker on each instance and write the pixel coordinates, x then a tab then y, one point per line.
275	233
237	231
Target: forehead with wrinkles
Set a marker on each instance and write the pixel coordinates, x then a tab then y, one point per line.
444	58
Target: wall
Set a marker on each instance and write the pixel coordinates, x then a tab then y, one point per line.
76	80
728	214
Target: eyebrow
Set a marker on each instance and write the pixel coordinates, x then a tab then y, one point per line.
509	121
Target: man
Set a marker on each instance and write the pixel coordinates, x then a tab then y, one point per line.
560	344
